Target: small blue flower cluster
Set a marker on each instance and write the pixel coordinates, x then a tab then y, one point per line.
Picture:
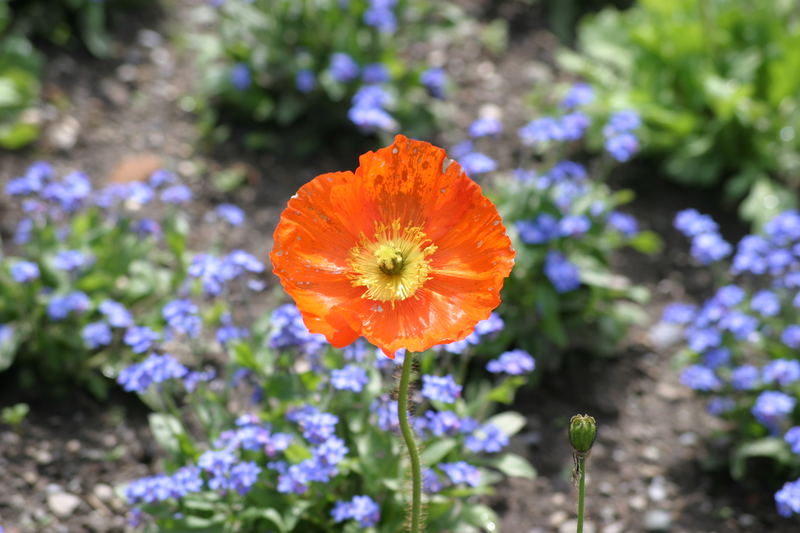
252	435
540	131
578	95
155	369
294	452
787	498
98	334
708	246
223	473
61	306
289	331
228	331
230	213
351	377
327	451
181	316
54	235
25	271
361	508
486	438
240	76
745	339
266	65
514	363
567	183
380	15
561	272
435	80
484	330
140	338
216	273
227	473
368	111
440	388
620	141
72	260
565	224
43	193
386	411
462	472
158	488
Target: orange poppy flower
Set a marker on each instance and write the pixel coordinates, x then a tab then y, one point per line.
406	252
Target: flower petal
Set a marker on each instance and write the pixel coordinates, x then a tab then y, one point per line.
309	256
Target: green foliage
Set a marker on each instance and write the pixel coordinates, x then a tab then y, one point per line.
66	22
716	83
275	377
20	67
252	61
564	221
741	350
14	415
595	315
21	64
116	259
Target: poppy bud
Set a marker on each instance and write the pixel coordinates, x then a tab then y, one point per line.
582	432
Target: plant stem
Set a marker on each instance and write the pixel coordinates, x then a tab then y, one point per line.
581	489
408	437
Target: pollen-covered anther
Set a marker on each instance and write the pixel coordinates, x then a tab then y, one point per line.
393	264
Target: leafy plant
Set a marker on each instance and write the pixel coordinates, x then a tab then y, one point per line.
563	293
716	85
14	415
320	69
294	436
741	348
62	23
20	67
81	259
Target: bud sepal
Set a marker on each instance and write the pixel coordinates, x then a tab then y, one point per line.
582	433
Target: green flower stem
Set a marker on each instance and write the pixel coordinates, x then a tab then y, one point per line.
581	488
408	437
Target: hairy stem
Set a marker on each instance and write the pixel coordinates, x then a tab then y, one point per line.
408	437
581	489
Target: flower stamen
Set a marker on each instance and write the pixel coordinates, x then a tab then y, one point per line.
392	265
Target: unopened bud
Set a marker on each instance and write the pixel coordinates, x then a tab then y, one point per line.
582	432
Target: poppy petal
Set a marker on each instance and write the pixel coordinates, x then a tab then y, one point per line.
310	255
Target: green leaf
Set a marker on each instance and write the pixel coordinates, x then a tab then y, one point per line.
480	516
166	431
296	453
514	465
10	340
767	198
14	415
509	422
295	513
94	29
505	391
270	514
767	448
437	451
243	354
647	242
17	135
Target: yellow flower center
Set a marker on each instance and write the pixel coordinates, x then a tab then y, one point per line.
392	265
